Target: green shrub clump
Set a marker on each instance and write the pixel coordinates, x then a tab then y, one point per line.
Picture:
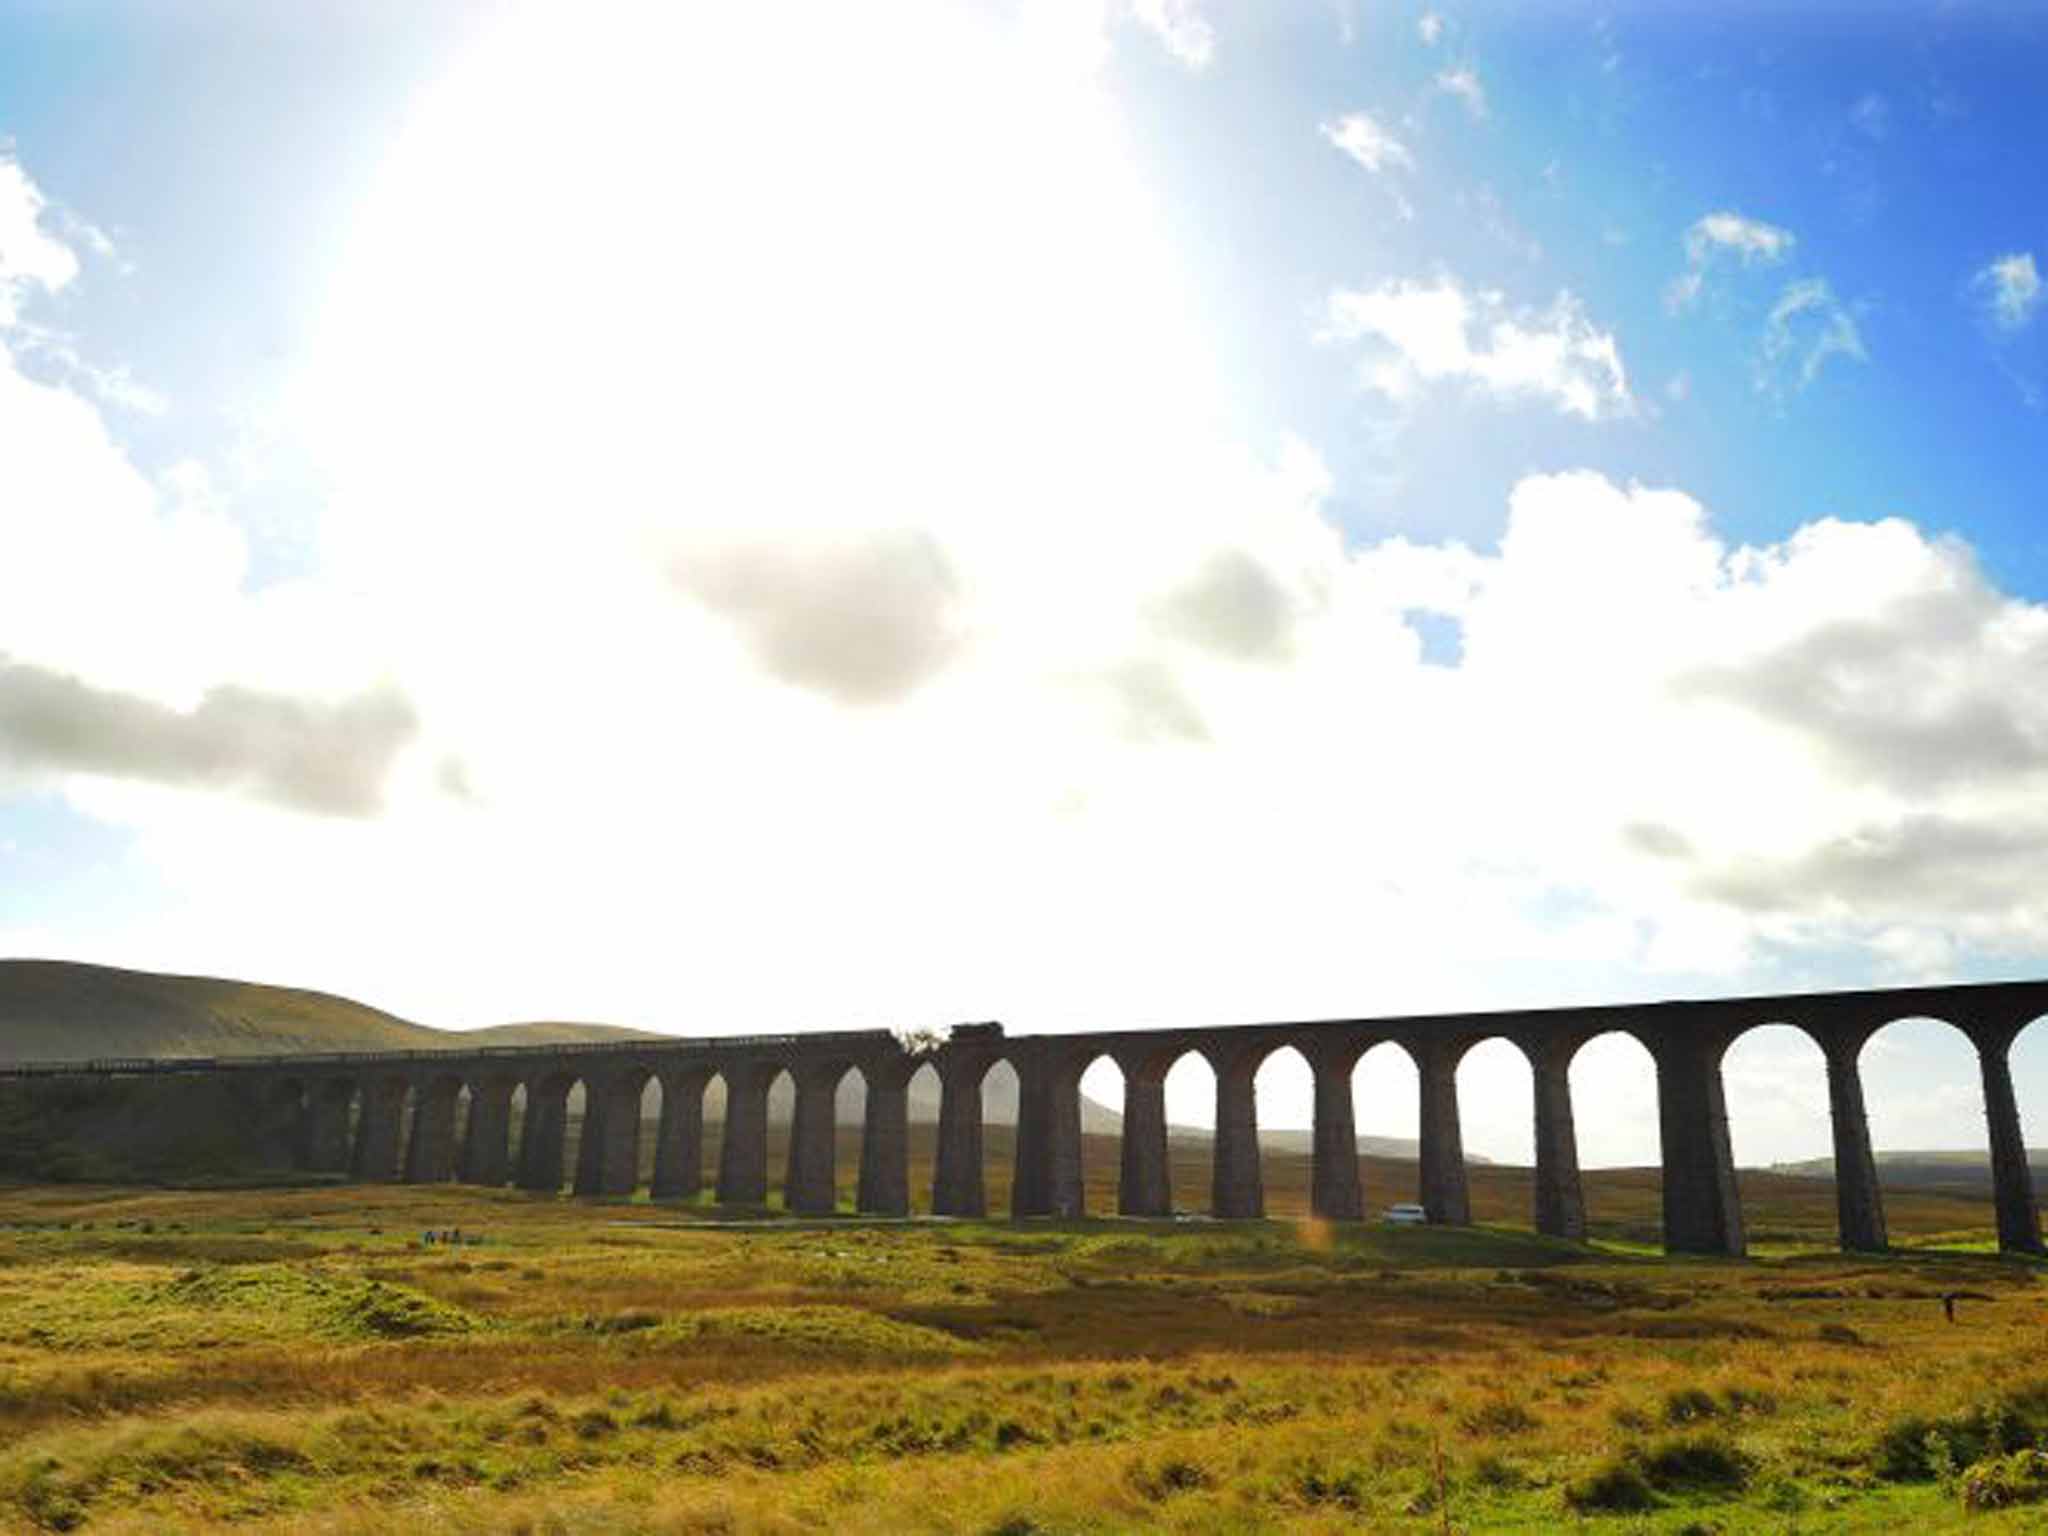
1631	1482
1616	1487
1916	1447
1705	1463
1997	1482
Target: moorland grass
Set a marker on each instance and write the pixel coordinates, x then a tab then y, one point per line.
299	1360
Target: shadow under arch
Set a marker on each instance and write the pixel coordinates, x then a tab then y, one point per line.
1623	1199
378	1151
333	1109
1774	1081
286	1122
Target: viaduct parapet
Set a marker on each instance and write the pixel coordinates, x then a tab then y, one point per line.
430	1116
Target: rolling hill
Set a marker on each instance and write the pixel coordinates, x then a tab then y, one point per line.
1965	1170
54	1010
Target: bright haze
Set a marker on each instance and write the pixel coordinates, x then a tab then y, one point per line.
759	517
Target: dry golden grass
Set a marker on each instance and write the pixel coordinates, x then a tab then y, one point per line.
298	1360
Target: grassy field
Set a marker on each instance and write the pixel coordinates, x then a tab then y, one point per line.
296	1359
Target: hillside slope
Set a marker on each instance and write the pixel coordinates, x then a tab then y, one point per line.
54	1010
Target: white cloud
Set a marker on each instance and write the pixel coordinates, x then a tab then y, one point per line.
1871	116
30	256
1752	242
1807	326
1365	141
2011	290
1439	332
128	648
116	386
1463	83
1751	239
1180	25
1430	29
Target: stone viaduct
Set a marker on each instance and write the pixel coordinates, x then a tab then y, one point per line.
393	1115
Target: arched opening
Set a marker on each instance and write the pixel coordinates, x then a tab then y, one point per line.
1497	1127
1102	1121
849	1128
652	1095
577	1143
459	1127
1284	1094
2029	1059
1386	1099
1923	1090
1774	1080
923	1132
333	1108
286	1125
1613	1079
711	1136
1001	1102
408	1114
515	1127
1190	1131
781	1113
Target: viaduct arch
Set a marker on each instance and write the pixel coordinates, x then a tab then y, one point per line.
393	1115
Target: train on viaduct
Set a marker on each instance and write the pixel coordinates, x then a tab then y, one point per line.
393	1115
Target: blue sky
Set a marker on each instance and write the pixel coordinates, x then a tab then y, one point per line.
1095	513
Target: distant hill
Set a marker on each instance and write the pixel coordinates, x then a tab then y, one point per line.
54	1010
1304	1143
1961	1169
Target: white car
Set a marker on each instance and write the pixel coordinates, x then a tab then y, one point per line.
1406	1215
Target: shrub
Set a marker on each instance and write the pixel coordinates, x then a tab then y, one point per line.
1316	1483
1708	1463
1916	1447
1998	1482
1161	1481
1616	1487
